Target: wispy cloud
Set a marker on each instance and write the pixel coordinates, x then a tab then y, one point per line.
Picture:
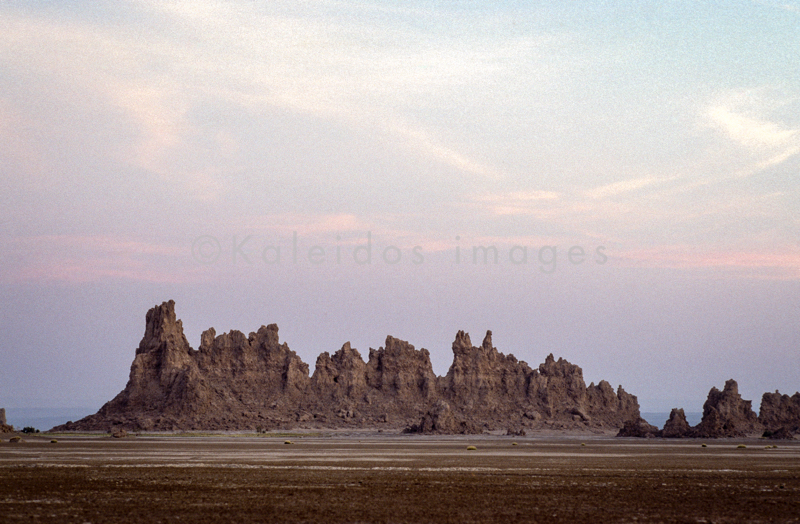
754	133
259	59
745	119
623	186
374	78
404	78
766	264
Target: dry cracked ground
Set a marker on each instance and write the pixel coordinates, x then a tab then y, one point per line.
396	478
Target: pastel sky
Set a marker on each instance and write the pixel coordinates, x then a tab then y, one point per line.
349	169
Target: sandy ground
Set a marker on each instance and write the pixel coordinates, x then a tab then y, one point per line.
396	478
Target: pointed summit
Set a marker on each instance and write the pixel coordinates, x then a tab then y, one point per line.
163	332
462	341
487	341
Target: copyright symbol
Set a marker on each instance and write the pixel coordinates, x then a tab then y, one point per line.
206	249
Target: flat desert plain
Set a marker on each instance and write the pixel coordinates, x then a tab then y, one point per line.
396	478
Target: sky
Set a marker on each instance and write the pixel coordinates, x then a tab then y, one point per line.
614	183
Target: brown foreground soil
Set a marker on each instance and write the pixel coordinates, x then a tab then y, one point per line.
393	478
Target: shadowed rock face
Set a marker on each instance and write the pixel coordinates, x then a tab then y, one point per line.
725	414
780	412
238	382
638	427
4	427
677	426
498	391
442	419
482	380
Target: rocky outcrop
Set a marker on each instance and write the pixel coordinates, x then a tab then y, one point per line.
500	391
238	382
603	402
676	426
726	414
484	382
4	427
780	412
230	382
393	387
782	433
638	427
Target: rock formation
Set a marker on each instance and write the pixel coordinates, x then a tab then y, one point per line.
238	382
442	419
782	433
501	392
780	414
638	427
4	427
726	414
676	426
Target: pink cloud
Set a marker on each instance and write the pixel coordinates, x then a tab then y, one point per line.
86	258
755	263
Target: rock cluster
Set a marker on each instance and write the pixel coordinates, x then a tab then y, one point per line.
726	414
238	382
